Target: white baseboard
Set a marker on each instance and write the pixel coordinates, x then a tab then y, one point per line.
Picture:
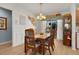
74	49
17	44
5	42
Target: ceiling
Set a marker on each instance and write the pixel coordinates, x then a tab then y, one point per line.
47	8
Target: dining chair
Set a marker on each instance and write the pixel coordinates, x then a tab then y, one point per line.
30	42
53	34
49	42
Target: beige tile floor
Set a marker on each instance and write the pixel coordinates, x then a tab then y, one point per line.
60	49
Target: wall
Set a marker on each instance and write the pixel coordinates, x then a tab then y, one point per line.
73	13
77	40
18	29
6	35
60	29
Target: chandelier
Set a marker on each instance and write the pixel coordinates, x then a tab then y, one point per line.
41	16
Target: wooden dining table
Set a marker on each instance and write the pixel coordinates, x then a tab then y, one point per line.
43	36
42	39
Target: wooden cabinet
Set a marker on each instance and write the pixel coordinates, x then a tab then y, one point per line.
77	17
67	29
67	39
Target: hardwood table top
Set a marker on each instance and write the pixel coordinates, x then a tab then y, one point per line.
42	36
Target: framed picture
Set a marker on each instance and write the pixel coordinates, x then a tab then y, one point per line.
3	23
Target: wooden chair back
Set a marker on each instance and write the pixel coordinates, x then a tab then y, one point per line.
52	36
29	35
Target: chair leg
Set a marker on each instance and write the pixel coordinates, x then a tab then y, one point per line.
25	49
43	52
49	50
26	53
40	49
34	51
43	48
52	47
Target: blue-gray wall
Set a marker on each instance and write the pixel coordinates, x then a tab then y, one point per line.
6	35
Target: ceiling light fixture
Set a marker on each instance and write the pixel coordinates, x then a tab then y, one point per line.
41	16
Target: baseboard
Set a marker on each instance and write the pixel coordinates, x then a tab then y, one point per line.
5	42
17	44
74	49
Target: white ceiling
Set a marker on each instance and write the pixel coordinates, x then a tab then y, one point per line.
47	8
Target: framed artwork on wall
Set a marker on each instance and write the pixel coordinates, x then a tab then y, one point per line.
3	23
